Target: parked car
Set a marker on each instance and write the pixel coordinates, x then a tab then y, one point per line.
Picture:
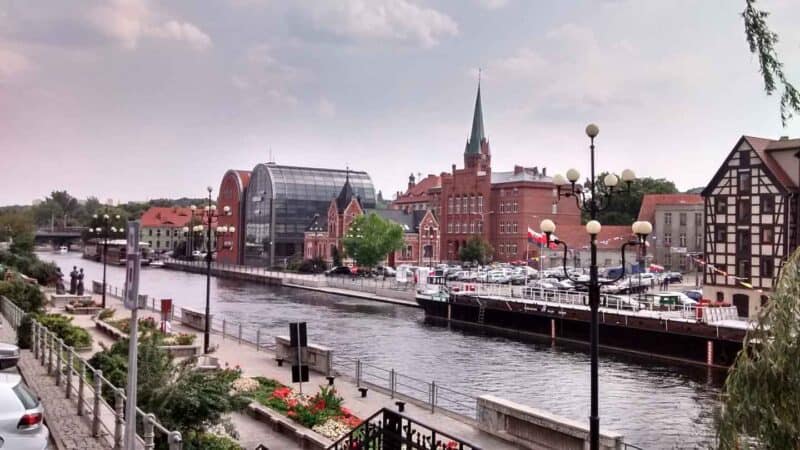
339	270
694	294
9	355
673	277
21	416
385	271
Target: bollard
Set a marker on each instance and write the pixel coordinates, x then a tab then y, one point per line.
433	395
58	362
391	382
258	340
358	373
240	332
175	440
81	382
69	371
34	341
119	418
50	355
223	329
98	392
149	435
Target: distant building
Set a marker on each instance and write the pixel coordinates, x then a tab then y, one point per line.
420	196
751	221
678	226
324	234
232	191
162	227
609	244
280	202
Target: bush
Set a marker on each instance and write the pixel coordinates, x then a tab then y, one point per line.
209	441
26	296
62	326
106	314
314	265
24	332
185	339
30	265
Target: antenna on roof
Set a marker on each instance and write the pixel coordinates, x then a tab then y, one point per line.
271	159
479	77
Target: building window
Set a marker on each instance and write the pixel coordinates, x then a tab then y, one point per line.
471	203
458	228
158	244
743	268
667	239
698	219
150	232
667	218
472	227
744	182
719	233
516	207
502	207
450	227
682	238
743	211
480	227
743	242
720	205
480	203
767	235
744	158
698	241
682	219
458	205
768	204
767	266
464	204
450	205
502	227
515	227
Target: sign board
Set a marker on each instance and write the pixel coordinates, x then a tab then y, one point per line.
299	373
297	334
131	299
298	339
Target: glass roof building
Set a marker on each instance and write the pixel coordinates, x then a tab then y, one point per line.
282	201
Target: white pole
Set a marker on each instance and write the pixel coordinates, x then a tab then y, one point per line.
541	267
130	405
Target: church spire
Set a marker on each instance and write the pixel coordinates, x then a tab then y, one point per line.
477	135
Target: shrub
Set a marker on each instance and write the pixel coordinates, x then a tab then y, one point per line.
26	296
185	338
209	441
313	265
62	326
24	332
106	314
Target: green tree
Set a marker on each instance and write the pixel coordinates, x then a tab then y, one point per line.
761	400
624	207
762	43
477	250
371	239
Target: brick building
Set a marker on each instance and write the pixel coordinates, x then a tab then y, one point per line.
325	234
420	195
162	227
232	194
498	206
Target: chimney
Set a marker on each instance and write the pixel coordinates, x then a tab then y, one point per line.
518	169
454	168
544	171
411	181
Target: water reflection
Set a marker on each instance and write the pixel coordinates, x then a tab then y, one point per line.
654	404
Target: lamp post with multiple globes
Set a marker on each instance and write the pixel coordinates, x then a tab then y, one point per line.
211	213
592	199
104	228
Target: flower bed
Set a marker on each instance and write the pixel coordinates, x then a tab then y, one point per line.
322	412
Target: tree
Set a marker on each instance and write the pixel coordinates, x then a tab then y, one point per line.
371	239
761	401
477	249
337	258
762	42
624	207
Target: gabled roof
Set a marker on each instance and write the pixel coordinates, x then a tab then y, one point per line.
409	221
477	135
760	146
649	202
420	190
161	216
319	223
346	195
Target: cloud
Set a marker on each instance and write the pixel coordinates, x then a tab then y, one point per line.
12	63
264	78
492	4
326	108
128	21
397	21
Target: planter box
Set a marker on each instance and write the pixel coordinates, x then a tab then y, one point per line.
194	319
82	309
304	438
64	299
181	351
110	330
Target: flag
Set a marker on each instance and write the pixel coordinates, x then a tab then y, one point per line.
535	237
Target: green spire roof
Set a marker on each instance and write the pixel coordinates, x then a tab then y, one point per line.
477	135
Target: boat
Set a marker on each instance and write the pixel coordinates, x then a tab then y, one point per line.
63	249
157	264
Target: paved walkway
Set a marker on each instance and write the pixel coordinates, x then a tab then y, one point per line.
262	363
68	431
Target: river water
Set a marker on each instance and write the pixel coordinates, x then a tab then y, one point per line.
652	403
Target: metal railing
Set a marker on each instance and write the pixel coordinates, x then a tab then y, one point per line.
78	378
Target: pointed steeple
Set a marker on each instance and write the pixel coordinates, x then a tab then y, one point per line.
346	194
477	135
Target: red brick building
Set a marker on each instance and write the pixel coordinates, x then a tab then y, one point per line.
324	235
232	193
498	206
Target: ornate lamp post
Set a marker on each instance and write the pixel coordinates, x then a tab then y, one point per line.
593	199
104	229
211	213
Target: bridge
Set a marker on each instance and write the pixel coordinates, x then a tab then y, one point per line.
66	236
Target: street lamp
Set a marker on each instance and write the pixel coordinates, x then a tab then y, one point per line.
104	229
211	213
593	200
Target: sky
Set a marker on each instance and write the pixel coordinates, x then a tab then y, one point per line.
140	99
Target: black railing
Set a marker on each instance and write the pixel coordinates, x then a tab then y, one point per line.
389	430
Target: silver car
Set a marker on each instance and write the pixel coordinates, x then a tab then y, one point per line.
21	416
9	356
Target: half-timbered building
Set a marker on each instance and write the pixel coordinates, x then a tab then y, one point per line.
751	209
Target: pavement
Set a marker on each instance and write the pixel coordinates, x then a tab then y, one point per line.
67	430
262	363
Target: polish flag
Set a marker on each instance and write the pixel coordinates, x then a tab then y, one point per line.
535	237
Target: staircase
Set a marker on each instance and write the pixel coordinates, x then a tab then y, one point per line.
481	312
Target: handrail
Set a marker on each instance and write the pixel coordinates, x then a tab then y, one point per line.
45	343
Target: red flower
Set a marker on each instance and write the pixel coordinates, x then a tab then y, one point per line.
345	412
291	403
452	445
319	405
291	413
282	392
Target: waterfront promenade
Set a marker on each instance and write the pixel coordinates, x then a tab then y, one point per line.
261	362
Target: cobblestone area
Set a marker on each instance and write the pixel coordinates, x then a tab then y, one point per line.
69	431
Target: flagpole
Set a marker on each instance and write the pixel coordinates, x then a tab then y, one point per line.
527	259
541	270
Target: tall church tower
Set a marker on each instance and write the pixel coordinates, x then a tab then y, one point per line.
476	153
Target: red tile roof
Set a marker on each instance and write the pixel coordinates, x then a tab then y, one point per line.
761	145
160	216
419	191
610	237
649	202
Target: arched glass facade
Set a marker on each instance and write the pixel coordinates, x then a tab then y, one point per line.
281	202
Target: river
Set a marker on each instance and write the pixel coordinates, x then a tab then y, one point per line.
654	404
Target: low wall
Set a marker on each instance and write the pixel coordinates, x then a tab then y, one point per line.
61	300
318	358
193	318
535	429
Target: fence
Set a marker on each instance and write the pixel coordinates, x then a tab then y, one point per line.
78	378
431	394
